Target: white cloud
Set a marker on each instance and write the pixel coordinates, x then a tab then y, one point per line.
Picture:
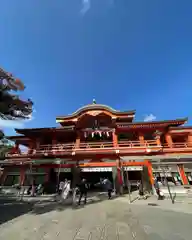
14	123
11	124
86	6
150	117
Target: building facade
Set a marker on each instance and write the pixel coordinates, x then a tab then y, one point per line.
98	141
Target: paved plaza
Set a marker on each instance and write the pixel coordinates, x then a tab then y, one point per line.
99	220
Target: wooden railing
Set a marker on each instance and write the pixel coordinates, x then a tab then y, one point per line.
177	145
137	144
92	146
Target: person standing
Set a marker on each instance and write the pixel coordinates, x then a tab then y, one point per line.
33	188
157	188
140	188
61	185
83	188
66	189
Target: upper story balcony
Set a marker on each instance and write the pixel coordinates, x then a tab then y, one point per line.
123	147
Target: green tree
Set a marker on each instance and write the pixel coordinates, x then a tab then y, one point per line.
11	106
5	146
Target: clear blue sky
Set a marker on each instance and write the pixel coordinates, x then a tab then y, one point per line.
126	54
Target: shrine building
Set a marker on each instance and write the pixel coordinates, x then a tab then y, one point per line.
98	141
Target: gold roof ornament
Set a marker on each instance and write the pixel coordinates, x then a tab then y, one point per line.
94	101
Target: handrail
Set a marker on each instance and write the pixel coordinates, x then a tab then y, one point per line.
177	145
89	146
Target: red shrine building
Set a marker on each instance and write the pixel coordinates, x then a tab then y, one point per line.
97	141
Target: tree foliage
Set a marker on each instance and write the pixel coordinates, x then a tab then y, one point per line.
11	106
5	146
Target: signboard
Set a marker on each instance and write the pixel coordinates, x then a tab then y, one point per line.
137	168
167	174
102	169
63	170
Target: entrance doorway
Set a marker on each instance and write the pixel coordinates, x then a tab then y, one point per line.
131	177
94	175
57	175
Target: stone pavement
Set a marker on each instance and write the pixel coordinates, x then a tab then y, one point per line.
102	220
181	204
98	220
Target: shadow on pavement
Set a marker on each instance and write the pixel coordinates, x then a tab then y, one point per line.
45	207
10	209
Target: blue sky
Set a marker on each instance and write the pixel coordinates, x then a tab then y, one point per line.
125	54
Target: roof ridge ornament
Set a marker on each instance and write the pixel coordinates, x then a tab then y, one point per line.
94	101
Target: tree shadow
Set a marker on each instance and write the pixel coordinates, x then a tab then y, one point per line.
47	206
10	209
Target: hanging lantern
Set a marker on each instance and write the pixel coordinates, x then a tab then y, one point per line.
93	134
107	133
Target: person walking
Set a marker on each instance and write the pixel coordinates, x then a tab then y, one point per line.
108	186
83	188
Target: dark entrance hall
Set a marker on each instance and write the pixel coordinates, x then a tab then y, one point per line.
93	179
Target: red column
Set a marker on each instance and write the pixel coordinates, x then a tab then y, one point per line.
54	138
37	143
54	142
22	176
182	174
115	139
31	146
189	141
150	171
158	140
3	177
141	139
47	171
168	139
17	147
77	142
119	175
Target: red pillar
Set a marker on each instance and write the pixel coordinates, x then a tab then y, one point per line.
150	171
3	177
37	144
54	142
169	140
47	171
22	176
119	175
31	147
77	142
158	140
115	138
189	140
141	139
182	174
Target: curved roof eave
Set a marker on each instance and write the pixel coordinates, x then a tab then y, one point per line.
169	122
96	107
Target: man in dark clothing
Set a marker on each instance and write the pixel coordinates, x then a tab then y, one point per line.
140	188
83	187
108	186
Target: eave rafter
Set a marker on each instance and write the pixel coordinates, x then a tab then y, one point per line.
155	124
